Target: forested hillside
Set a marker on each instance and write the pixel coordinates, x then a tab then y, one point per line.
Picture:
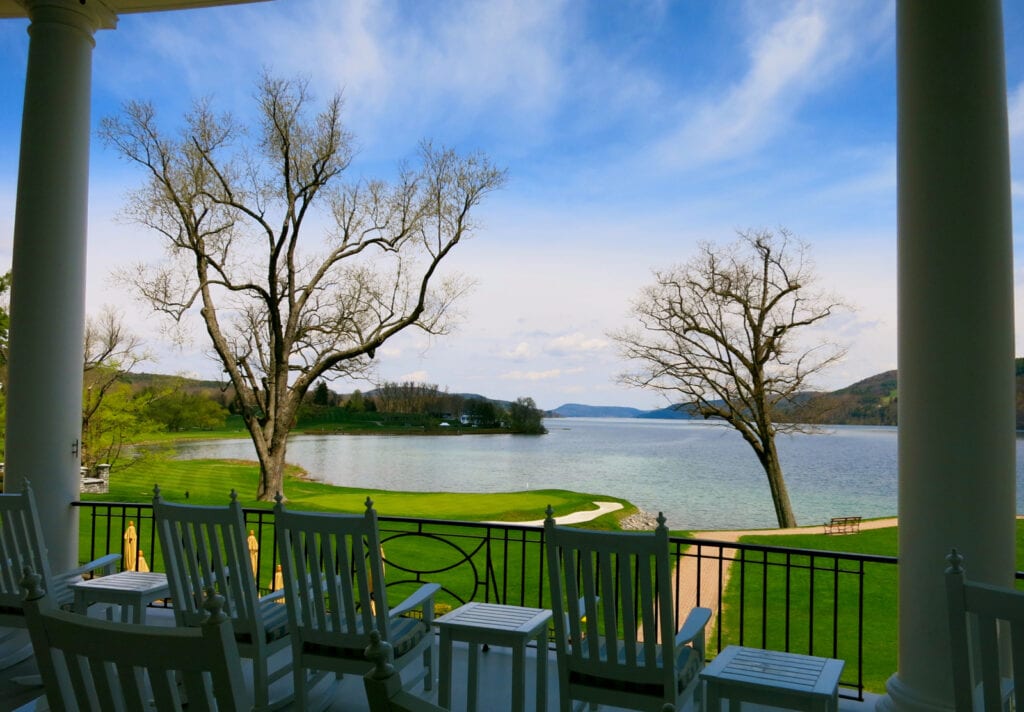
872	401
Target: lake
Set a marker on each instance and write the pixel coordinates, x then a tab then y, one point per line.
702	475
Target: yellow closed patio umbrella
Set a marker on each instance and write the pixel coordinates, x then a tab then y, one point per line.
131	546
278	581
254	553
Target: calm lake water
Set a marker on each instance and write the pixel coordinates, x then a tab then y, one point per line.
702	475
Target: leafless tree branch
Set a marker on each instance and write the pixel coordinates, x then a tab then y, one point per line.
717	335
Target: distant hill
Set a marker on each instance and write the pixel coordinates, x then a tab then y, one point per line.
578	410
872	401
163	380
672	412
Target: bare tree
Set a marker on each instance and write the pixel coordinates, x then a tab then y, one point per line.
281	312
718	334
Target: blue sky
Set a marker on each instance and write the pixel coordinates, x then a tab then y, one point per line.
630	131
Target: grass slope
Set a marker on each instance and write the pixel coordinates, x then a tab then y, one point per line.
805	627
210	482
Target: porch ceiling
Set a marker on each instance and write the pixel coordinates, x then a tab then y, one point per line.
16	8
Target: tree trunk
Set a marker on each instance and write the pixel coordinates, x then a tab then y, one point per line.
272	472
780	495
270	451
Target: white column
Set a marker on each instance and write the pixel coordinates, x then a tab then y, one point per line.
956	344
44	400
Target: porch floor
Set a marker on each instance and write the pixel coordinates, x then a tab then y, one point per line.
495	686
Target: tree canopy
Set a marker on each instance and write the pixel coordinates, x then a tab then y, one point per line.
525	417
720	335
281	308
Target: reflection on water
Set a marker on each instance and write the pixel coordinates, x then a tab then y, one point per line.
702	475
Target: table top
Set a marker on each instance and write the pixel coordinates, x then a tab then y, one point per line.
126	581
772	669
495	616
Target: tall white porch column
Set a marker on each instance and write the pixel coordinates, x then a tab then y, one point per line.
44	400
956	344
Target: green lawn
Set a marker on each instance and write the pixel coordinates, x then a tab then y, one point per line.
830	628
511	569
880	587
210	482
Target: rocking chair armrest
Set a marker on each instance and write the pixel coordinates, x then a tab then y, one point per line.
693	627
61	584
273	596
424	594
106	563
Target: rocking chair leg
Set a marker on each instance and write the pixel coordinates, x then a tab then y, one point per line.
15	646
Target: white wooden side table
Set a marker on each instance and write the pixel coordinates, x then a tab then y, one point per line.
132	590
494	624
788	680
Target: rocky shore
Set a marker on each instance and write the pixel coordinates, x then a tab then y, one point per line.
641	521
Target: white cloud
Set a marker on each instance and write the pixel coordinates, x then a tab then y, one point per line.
521	351
415	376
506	49
574	343
877	176
789	58
445	62
538	375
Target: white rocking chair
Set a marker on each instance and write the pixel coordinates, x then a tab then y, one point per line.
383	683
96	665
22	544
616	638
330	564
206	547
981	616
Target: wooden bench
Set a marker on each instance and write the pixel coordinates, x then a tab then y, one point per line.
843	525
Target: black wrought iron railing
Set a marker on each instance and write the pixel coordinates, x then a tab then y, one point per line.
832	604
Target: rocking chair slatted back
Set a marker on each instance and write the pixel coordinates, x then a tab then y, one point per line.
207	548
614	582
96	665
985	623
333	571
21	544
329	572
615	627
